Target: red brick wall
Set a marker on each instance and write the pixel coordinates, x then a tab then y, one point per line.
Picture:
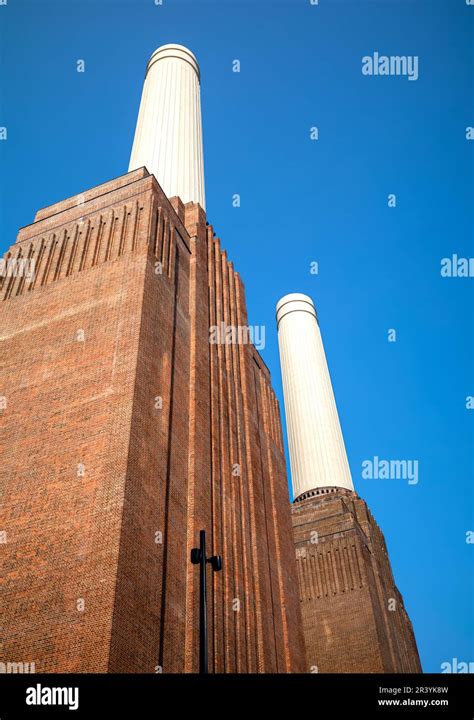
150	473
353	616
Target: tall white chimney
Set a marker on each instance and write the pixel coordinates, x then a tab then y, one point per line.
168	136
317	453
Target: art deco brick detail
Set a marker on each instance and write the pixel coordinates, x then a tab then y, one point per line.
353	616
122	432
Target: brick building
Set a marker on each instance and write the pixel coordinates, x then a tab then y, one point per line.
353	616
125	432
354	620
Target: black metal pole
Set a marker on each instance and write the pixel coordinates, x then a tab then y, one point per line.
198	557
203	656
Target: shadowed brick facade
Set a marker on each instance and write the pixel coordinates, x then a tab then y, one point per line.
354	620
124	433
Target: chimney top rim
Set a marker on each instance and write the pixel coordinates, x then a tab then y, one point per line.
176	51
294	302
294	297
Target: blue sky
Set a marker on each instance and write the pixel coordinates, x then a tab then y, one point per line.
303	201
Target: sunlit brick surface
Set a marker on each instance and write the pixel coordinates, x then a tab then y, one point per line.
353	616
105	485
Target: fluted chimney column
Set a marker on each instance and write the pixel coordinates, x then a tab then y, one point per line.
168	136
317	453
